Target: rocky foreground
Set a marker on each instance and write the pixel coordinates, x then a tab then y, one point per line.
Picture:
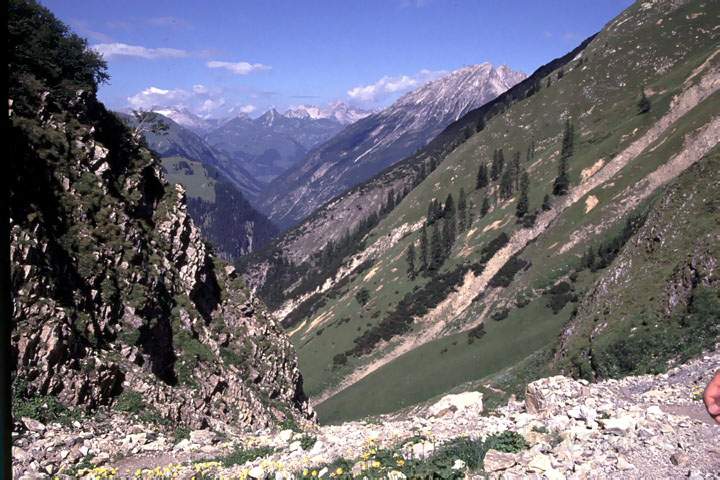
637	427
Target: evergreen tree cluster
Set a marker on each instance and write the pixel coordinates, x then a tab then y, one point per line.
283	274
597	258
513	178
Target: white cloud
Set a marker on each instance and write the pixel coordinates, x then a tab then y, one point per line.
109	50
153	97
210	105
387	86
238	68
200	99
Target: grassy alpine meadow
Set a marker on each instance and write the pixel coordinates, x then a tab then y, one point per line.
604	112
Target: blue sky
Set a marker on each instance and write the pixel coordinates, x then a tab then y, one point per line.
219	58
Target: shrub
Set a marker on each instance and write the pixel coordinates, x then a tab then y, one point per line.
475	333
289	424
559	296
43	408
241	455
307	442
340	359
362	296
507	272
501	314
507	441
130	401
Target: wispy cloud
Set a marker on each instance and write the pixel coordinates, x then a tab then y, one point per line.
246	109
153	97
200	99
389	85
238	68
116	49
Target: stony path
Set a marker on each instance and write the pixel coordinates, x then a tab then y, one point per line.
640	427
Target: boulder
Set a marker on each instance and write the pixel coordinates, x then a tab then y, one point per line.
496	460
203	437
618	425
456	403
33	425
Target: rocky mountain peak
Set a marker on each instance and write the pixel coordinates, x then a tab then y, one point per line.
337	111
381	139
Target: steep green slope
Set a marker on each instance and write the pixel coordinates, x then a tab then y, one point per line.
621	157
660	300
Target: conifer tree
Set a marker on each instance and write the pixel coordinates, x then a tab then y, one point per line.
411	262
498	162
436	248
462	211
562	181
390	204
423	248
516	170
546	205
643	104
530	155
447	239
485	208
482	177
588	260
450	225
506	183
523	203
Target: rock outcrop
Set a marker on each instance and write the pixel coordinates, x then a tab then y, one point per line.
117	301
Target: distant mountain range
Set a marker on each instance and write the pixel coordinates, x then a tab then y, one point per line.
338	111
268	145
377	141
218	188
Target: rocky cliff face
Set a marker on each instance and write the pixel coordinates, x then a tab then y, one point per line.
115	295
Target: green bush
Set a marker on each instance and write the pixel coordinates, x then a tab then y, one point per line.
44	409
559	296
241	455
130	401
507	441
507	272
289	424
307	442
